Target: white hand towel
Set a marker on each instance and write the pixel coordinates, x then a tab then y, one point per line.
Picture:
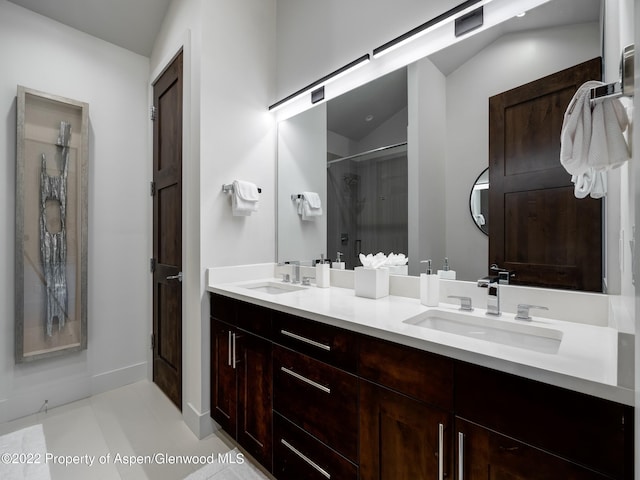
244	199
608	148
310	206
575	136
590	182
592	141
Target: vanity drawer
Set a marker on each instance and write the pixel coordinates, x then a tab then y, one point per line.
418	374
317	397
247	316
223	308
327	343
581	428
297	455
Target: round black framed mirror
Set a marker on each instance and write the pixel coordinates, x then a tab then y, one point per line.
479	201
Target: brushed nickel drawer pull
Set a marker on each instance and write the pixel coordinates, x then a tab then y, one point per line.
229	348
440	451
234	350
306	380
306	340
460	456
305	458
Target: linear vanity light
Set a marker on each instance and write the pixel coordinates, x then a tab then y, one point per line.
317	87
471	8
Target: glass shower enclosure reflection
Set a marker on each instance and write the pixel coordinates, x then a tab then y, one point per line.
367	207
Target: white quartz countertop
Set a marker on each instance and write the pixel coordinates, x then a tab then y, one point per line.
586	361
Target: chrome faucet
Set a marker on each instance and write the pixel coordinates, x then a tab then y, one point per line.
493	295
523	311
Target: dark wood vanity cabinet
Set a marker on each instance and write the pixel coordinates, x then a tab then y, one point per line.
528	428
401	437
315	400
406	421
483	454
348	406
241	375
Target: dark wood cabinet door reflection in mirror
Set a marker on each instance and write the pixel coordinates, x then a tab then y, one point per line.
539	230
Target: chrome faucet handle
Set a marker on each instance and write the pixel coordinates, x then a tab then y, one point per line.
523	311
486	282
285	278
465	302
306	280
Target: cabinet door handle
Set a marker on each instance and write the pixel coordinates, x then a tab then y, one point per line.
440	451
306	340
460	456
305	458
229	349
233	336
305	380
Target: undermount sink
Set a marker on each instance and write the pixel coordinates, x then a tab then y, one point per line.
273	288
521	335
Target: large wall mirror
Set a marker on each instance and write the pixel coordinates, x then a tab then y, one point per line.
394	160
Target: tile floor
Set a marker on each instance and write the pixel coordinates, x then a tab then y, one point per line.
137	419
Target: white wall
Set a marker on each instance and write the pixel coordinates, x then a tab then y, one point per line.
427	162
42	54
318	37
531	55
302	166
229	134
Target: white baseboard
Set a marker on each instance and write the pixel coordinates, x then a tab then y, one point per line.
103	382
57	392
201	424
3	410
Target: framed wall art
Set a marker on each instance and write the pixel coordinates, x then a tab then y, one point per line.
51	225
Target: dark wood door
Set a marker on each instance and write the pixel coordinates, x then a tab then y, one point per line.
254	377
167	232
539	229
224	388
483	454
400	437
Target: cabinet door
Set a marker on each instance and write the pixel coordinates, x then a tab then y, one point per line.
482	454
253	368
223	377
402	438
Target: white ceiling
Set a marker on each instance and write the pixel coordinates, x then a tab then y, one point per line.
131	24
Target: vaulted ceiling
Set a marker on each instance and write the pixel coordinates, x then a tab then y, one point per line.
130	24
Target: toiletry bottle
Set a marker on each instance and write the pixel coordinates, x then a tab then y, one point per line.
446	273
429	287
338	264
322	273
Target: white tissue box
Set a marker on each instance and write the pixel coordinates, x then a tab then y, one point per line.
371	282
399	270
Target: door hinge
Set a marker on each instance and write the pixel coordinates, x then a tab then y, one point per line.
152	265
153	341
152	188
153	113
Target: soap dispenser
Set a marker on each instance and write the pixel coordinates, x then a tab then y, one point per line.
323	274
429	287
338	264
446	273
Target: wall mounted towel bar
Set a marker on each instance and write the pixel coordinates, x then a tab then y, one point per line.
229	188
624	86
